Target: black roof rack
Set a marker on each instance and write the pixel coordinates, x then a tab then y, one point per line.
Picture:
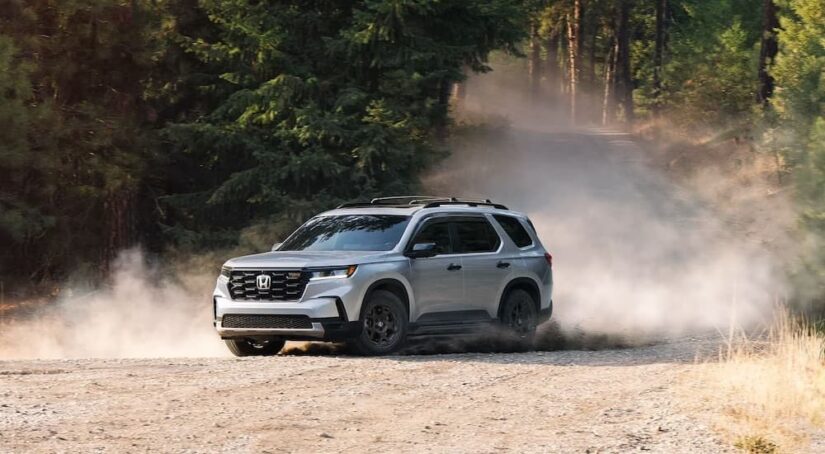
399	199
418	200
402	201
472	203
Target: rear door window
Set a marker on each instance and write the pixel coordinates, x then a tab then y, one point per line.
514	230
475	235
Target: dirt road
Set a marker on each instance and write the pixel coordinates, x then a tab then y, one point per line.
563	401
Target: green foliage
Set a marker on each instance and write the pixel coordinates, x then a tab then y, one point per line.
320	102
800	65
800	103
720	88
19	219
190	120
756	444
810	179
711	70
73	149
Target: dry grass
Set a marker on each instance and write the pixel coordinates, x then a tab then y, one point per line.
775	385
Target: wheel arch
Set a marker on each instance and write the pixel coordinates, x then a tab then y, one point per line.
523	283
391	285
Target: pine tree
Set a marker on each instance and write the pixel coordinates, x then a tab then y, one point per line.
320	102
82	149
22	219
799	99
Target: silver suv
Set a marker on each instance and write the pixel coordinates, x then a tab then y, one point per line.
375	273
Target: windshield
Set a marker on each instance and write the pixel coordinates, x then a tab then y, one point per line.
347	233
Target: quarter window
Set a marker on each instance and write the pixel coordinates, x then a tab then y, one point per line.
475	236
514	230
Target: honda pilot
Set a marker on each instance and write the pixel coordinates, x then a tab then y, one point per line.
374	274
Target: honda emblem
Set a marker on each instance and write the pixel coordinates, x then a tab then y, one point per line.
264	281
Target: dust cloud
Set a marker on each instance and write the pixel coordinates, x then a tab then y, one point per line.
143	312
637	257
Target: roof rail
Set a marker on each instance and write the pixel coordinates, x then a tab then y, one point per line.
418	200
394	201
468	202
411	199
354	205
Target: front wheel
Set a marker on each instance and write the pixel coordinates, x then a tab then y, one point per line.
519	317
384	318
253	347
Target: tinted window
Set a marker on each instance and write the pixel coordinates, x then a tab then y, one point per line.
475	236
514	230
435	232
347	233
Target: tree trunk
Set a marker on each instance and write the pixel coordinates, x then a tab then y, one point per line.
658	54
458	90
591	60
571	68
551	65
445	89
624	78
119	210
591	84
768	50
564	63
609	104
459	93
534	68
573	44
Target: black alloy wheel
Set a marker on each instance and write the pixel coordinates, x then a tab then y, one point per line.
255	347
384	317
381	325
519	317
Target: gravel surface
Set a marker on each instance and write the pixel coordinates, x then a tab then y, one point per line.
562	401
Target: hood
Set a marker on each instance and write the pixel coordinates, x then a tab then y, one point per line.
306	259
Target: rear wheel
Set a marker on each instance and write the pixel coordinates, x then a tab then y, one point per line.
384	318
255	347
519	317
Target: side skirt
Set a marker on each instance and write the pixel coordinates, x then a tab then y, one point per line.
450	323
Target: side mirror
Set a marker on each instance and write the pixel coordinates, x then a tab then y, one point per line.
422	250
276	246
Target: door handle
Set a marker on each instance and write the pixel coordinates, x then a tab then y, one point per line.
453	267
503	265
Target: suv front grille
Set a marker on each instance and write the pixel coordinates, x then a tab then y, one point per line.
266	321
284	285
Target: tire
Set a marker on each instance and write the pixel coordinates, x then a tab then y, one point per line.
250	347
519	318
385	322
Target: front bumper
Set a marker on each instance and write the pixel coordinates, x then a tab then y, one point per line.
327	316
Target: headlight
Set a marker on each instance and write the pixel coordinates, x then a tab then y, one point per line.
331	273
226	271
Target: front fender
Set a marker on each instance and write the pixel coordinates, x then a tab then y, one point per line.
367	277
